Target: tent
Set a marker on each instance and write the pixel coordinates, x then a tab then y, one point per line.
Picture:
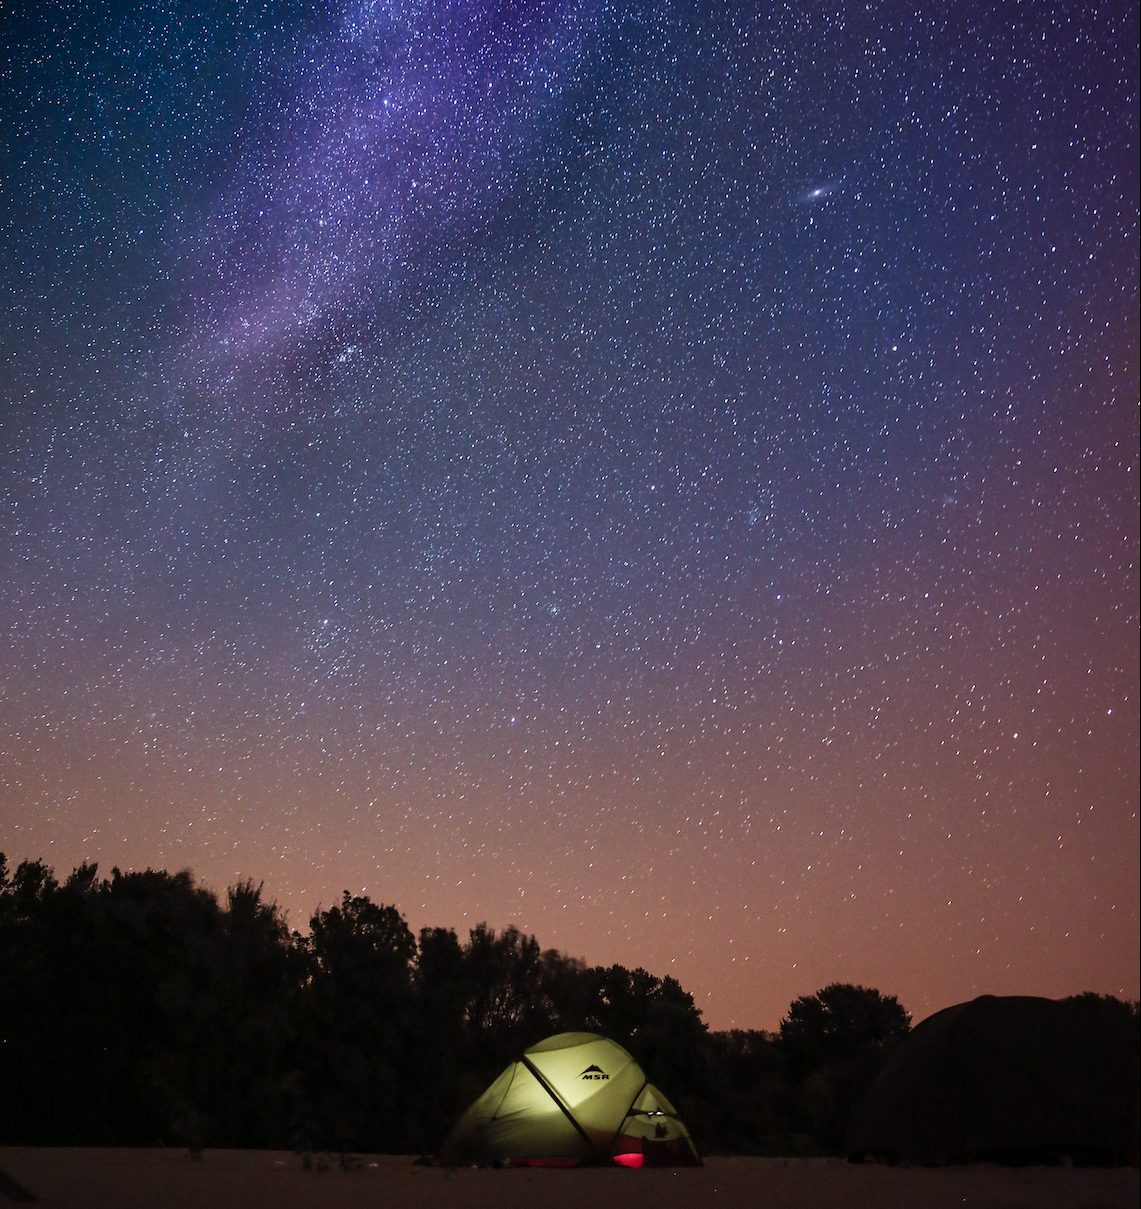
1013	1079
573	1099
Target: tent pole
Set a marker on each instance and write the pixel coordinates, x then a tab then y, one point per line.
558	1100
626	1115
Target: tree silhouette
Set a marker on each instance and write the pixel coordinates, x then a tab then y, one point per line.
835	1043
138	1009
356	1016
446	1082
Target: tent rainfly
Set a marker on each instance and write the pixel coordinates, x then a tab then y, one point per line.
1009	1079
574	1099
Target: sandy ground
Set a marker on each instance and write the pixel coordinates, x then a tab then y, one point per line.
229	1179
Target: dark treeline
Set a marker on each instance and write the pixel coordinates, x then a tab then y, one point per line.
140	1010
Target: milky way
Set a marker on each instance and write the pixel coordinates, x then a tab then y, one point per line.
660	475
401	128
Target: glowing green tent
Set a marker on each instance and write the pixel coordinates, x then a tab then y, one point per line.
573	1099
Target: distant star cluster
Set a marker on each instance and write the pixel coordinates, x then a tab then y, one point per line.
662	475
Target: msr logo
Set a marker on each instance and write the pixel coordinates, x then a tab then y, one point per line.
594	1072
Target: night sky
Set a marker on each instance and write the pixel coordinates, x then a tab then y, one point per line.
663	475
